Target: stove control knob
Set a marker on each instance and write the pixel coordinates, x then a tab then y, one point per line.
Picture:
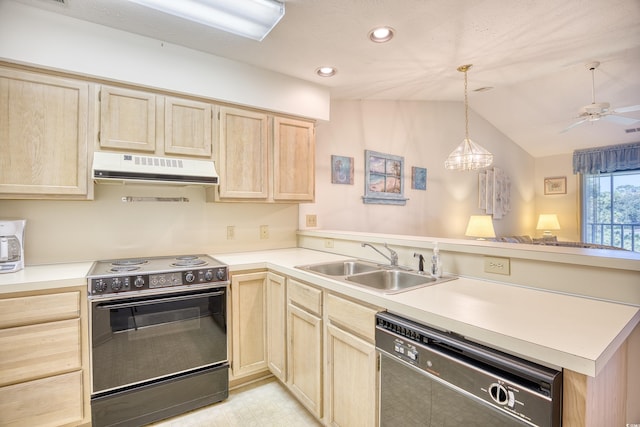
116	284
99	285
139	282
220	274
208	275
189	277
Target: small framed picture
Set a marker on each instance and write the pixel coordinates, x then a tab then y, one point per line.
555	185
418	178
341	170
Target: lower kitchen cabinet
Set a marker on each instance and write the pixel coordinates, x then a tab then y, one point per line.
351	377
276	326
304	345
248	324
44	377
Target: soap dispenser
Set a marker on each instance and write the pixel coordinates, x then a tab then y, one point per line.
436	263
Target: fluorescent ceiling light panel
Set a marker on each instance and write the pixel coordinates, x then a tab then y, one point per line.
253	19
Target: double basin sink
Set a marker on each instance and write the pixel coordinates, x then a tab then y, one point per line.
382	278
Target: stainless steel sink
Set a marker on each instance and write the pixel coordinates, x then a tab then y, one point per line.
342	268
381	278
394	281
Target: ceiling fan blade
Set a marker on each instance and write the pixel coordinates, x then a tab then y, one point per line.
573	125
620	120
628	109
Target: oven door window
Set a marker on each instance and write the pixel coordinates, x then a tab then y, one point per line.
140	339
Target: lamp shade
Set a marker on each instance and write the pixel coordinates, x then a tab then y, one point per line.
480	226
547	222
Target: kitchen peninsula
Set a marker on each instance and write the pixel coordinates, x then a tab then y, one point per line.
593	334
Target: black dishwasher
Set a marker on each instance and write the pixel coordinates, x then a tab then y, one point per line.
431	378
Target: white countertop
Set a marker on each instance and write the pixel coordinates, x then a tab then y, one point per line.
554	329
557	330
45	277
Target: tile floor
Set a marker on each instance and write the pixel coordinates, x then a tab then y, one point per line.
266	403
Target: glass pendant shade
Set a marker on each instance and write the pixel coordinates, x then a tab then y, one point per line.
468	155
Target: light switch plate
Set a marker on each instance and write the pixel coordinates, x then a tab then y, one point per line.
497	265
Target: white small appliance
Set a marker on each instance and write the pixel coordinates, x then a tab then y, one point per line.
11	245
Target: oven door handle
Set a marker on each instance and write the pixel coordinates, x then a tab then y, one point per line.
107	306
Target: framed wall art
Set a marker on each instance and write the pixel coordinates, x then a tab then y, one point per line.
494	192
384	182
418	178
555	185
341	170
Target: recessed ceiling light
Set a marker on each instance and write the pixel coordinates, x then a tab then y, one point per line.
381	34
326	71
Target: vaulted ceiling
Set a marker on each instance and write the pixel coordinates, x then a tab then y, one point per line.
532	53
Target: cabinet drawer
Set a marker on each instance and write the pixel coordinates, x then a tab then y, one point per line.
30	352
352	316
305	296
50	401
38	309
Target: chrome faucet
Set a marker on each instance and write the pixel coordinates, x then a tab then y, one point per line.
393	258
420	262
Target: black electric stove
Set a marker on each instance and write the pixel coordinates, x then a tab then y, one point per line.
154	274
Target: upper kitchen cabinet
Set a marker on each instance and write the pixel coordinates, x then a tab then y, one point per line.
187	127
293	160
127	119
243	155
153	123
265	158
43	136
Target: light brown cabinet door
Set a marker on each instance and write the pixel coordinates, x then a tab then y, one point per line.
127	119
304	358
249	353
43	134
29	352
276	326
243	155
187	127
293	160
351	380
52	401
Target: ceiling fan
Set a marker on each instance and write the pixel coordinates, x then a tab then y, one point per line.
602	110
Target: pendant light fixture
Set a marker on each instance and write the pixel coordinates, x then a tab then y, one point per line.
468	155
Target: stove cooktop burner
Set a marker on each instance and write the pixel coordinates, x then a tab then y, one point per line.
188	261
122	268
132	261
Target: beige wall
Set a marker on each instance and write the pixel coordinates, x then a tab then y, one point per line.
566	206
424	133
70	231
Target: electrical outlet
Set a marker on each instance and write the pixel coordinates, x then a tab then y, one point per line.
328	243
497	265
312	221
264	231
231	232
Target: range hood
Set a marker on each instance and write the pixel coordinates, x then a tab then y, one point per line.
143	169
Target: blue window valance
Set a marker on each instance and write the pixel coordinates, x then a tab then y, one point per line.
607	159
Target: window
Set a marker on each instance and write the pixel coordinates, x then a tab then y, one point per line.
611	209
